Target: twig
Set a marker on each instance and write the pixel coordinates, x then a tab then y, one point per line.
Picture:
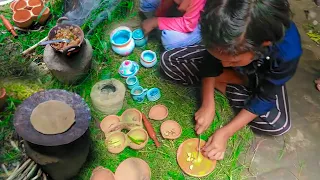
18	171
13	144
254	154
39	173
5	169
27	51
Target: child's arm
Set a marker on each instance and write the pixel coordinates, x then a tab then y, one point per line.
209	69
187	23
204	116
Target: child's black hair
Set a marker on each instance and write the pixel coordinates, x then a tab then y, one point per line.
235	26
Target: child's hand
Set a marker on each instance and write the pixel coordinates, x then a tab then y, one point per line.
216	146
204	117
149	24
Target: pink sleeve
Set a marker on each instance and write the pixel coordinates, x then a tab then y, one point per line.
187	23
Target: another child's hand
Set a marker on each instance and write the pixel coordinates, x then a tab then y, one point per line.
216	146
149	24
204	117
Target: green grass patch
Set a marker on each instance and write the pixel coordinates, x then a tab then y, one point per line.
181	102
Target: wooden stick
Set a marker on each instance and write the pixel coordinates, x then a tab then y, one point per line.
27	51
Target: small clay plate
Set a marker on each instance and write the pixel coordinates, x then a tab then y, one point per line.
133	169
158	112
190	162
170	129
101	173
52	117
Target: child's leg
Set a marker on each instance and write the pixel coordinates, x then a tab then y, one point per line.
174	39
182	64
148	7
276	122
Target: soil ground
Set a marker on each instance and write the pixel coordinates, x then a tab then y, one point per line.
296	154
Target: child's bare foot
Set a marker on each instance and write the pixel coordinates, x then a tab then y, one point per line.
317	81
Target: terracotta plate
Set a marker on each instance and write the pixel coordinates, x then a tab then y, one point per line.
158	112
133	169
52	117
170	129
187	157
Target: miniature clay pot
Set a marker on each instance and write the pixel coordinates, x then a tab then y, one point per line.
137	138
191	162
18	5
153	94
158	112
133	169
170	130
45	15
109	122
12	4
148	58
139	38
3	98
116	142
69	49
101	173
132	116
34	3
22	18
122	41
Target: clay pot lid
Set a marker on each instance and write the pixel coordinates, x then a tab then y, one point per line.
187	159
101	173
52	117
109	122
170	129
133	169
158	112
116	142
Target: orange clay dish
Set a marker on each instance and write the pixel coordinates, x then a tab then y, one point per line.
70	33
190	162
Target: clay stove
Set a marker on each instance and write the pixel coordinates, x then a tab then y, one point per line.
69	69
59	155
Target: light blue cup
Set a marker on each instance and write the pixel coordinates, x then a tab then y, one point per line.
132	82
139	39
138	94
153	94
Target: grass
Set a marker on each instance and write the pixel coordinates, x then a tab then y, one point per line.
181	102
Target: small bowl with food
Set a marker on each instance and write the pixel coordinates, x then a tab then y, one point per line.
70	32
